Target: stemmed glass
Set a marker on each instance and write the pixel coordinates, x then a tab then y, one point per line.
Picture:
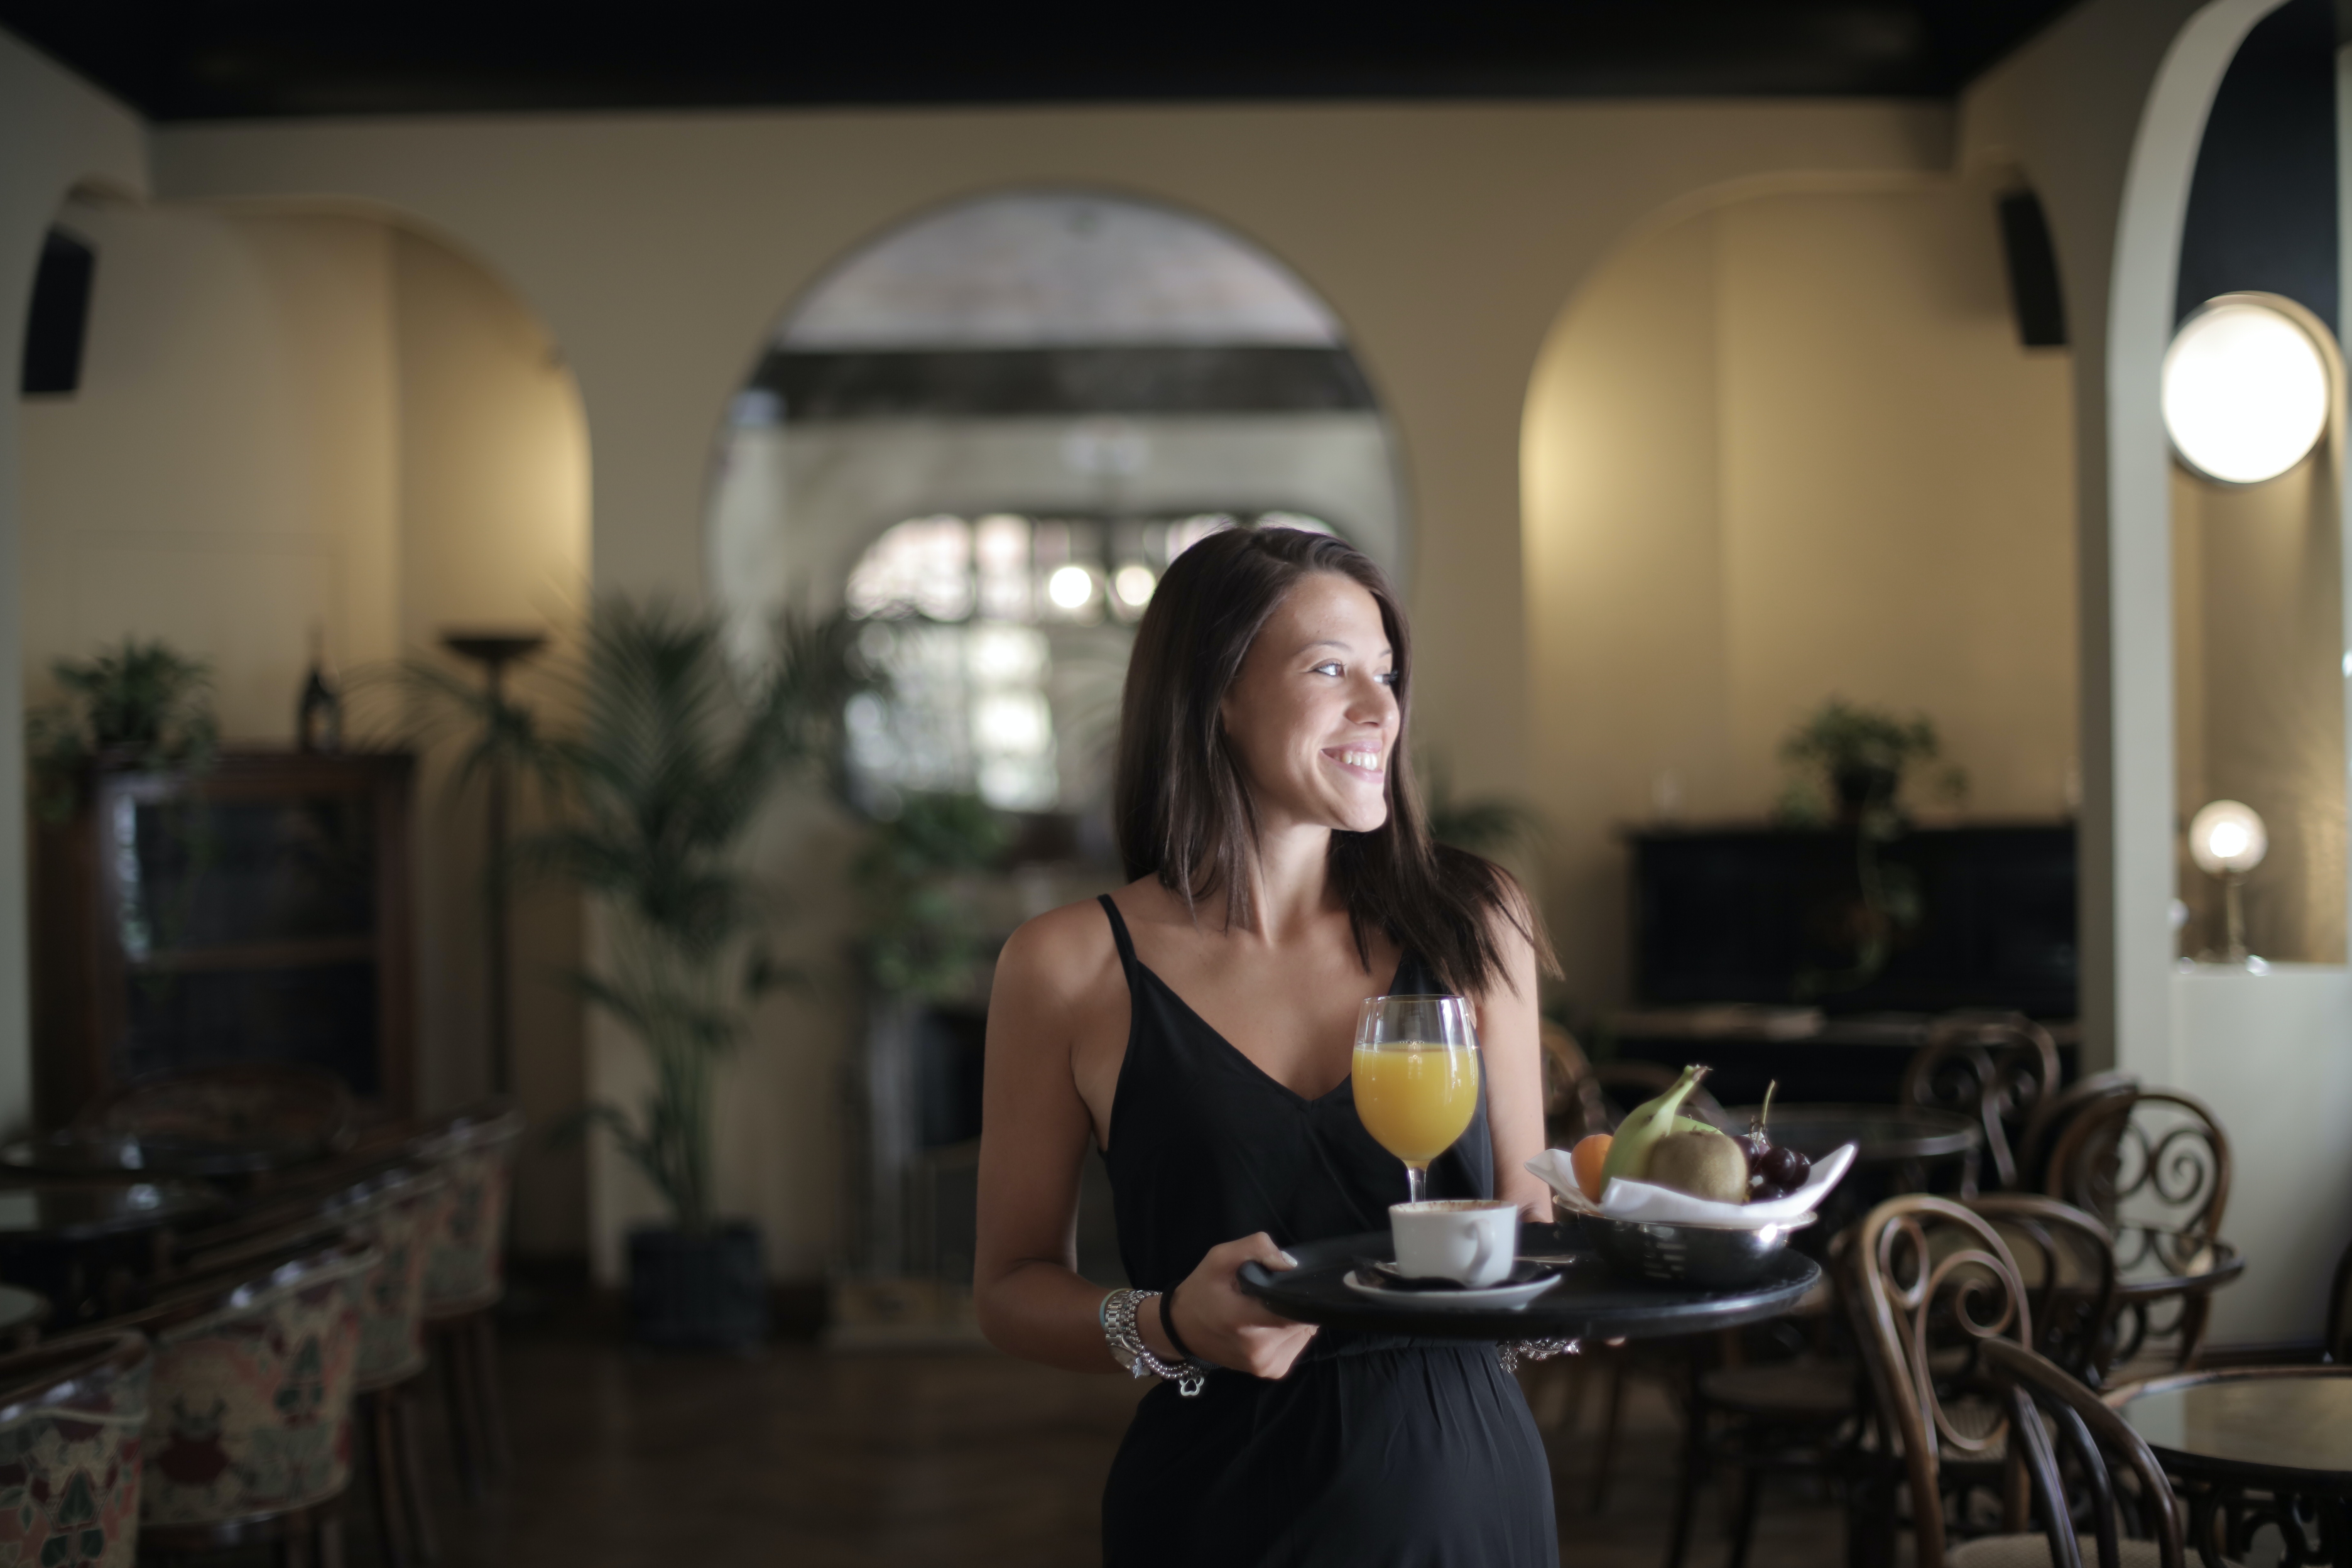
1416	1076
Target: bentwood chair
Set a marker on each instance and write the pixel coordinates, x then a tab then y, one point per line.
1995	1071
2055	1114
2062	1433
2154	1165
2066	1260
1935	1286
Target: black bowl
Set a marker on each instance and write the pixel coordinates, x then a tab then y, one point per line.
1712	1255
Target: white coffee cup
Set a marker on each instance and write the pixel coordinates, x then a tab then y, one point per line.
1472	1241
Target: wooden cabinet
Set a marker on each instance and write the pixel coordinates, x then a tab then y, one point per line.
261	913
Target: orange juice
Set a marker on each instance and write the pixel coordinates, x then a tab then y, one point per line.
1417	1098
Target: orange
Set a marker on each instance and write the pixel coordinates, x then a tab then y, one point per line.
1586	1158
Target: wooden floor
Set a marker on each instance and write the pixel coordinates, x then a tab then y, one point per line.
922	1460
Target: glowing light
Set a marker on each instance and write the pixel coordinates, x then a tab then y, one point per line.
2245	392
1133	585
1070	587
2226	836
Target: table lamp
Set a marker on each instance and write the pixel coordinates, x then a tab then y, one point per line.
2227	839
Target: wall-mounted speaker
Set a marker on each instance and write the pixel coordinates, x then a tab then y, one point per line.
59	321
2034	295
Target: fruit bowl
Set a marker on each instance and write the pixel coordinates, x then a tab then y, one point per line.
1682	1253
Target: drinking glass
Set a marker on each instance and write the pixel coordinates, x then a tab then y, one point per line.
1416	1076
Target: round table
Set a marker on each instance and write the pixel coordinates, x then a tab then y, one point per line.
2260	1445
72	1241
1592	1300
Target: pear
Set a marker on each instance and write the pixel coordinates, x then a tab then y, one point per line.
1705	1164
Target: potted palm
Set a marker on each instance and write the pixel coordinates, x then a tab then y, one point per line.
1862	753
675	757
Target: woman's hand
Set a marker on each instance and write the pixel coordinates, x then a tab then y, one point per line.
1225	1327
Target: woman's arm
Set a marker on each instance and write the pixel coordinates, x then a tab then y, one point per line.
1034	1127
1509	1037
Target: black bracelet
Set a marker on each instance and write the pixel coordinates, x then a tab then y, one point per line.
1168	1327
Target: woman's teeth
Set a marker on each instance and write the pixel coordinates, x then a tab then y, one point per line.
1368	761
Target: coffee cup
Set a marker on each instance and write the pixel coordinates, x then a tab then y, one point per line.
1471	1241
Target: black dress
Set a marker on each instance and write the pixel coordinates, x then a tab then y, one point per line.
1377	1451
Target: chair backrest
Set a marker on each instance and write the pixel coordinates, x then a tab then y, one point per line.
71	1412
2155	1157
1573	1107
256	1368
464	1264
1932	1278
1995	1071
2106	1453
2066	1260
2055	1114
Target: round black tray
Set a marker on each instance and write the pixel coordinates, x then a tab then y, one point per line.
1593	1302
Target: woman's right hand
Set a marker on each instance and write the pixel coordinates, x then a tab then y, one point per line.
1222	1325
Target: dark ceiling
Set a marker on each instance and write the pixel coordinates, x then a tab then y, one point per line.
212	60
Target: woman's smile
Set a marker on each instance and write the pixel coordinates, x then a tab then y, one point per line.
1364	764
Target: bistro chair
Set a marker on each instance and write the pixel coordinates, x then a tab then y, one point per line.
2055	1114
1801	1415
248	1431
2066	1260
464	1276
2118	1490
2154	1166
1934	1286
1579	1100
71	1414
1995	1071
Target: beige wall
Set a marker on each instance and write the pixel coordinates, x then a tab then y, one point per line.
288	420
225	477
1785	448
493	529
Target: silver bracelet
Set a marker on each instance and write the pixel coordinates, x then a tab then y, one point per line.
1127	1347
1516	1354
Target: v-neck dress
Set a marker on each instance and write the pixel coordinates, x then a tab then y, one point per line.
1376	1451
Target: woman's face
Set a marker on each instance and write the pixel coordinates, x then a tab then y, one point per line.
1313	716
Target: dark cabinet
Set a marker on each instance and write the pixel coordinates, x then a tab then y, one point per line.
1977	916
260	913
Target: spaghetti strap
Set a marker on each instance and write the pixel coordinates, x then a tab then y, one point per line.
1119	934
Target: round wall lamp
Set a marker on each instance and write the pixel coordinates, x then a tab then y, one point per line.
2227	839
2245	391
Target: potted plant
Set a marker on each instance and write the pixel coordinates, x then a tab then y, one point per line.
1862	754
675	757
136	705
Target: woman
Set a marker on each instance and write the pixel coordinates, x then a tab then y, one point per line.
1197	1025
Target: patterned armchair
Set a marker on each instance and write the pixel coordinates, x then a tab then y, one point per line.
71	1413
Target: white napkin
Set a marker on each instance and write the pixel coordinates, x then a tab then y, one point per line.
1622	1199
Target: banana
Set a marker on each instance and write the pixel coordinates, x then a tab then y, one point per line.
1629	1154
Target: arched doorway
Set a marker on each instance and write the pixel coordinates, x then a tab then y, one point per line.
989	431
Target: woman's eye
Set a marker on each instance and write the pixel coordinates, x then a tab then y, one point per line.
1386	678
1329	667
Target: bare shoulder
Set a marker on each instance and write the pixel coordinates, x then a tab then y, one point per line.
1061	956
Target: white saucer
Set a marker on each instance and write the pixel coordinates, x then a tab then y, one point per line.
1492	1298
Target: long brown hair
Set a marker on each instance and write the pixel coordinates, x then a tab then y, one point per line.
1183	815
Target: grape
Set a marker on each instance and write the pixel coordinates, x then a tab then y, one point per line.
1786	1169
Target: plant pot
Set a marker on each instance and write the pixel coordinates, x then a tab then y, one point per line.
706	1293
1860	787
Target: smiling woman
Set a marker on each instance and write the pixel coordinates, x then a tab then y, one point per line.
1198	1028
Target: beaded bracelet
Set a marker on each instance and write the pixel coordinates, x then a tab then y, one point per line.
1117	1316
